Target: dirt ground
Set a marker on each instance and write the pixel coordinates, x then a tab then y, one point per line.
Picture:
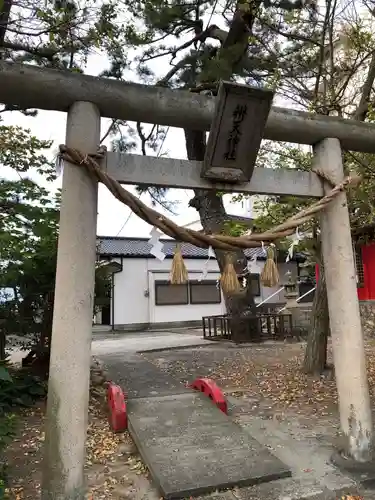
113	467
267	377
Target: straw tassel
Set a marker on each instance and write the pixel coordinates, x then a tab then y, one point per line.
179	274
270	275
229	280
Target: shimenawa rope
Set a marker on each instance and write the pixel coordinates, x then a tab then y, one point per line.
168	227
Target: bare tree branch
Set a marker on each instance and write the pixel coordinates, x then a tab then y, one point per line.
363	106
166	205
143	137
109	130
180	65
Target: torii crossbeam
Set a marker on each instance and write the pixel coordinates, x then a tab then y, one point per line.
86	99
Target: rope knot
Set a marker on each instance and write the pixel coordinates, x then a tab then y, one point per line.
75	156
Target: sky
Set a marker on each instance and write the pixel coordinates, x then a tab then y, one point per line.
114	218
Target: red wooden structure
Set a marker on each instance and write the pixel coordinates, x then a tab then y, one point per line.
365	268
212	390
116	400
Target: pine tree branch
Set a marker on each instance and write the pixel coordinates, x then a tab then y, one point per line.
199	37
214	32
291	36
322	55
180	65
363	106
253	63
40	52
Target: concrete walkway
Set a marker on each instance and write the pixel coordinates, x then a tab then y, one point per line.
120	353
109	343
126	343
189	446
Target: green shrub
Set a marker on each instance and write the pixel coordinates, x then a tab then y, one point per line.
7	429
19	388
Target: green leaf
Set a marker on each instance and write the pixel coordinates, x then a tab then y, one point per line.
5	375
37	390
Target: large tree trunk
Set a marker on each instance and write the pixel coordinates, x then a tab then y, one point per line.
209	204
241	306
315	361
6	7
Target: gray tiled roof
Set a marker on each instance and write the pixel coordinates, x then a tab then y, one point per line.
139	247
239	218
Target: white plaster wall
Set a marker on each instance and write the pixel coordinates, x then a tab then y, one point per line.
191	312
267	292
134	291
130	303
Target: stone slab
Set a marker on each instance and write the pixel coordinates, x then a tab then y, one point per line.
294	489
192	448
138	377
301	449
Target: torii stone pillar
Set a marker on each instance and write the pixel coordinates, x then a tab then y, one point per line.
69	376
345	320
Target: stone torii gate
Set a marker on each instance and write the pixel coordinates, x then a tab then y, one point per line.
86	99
